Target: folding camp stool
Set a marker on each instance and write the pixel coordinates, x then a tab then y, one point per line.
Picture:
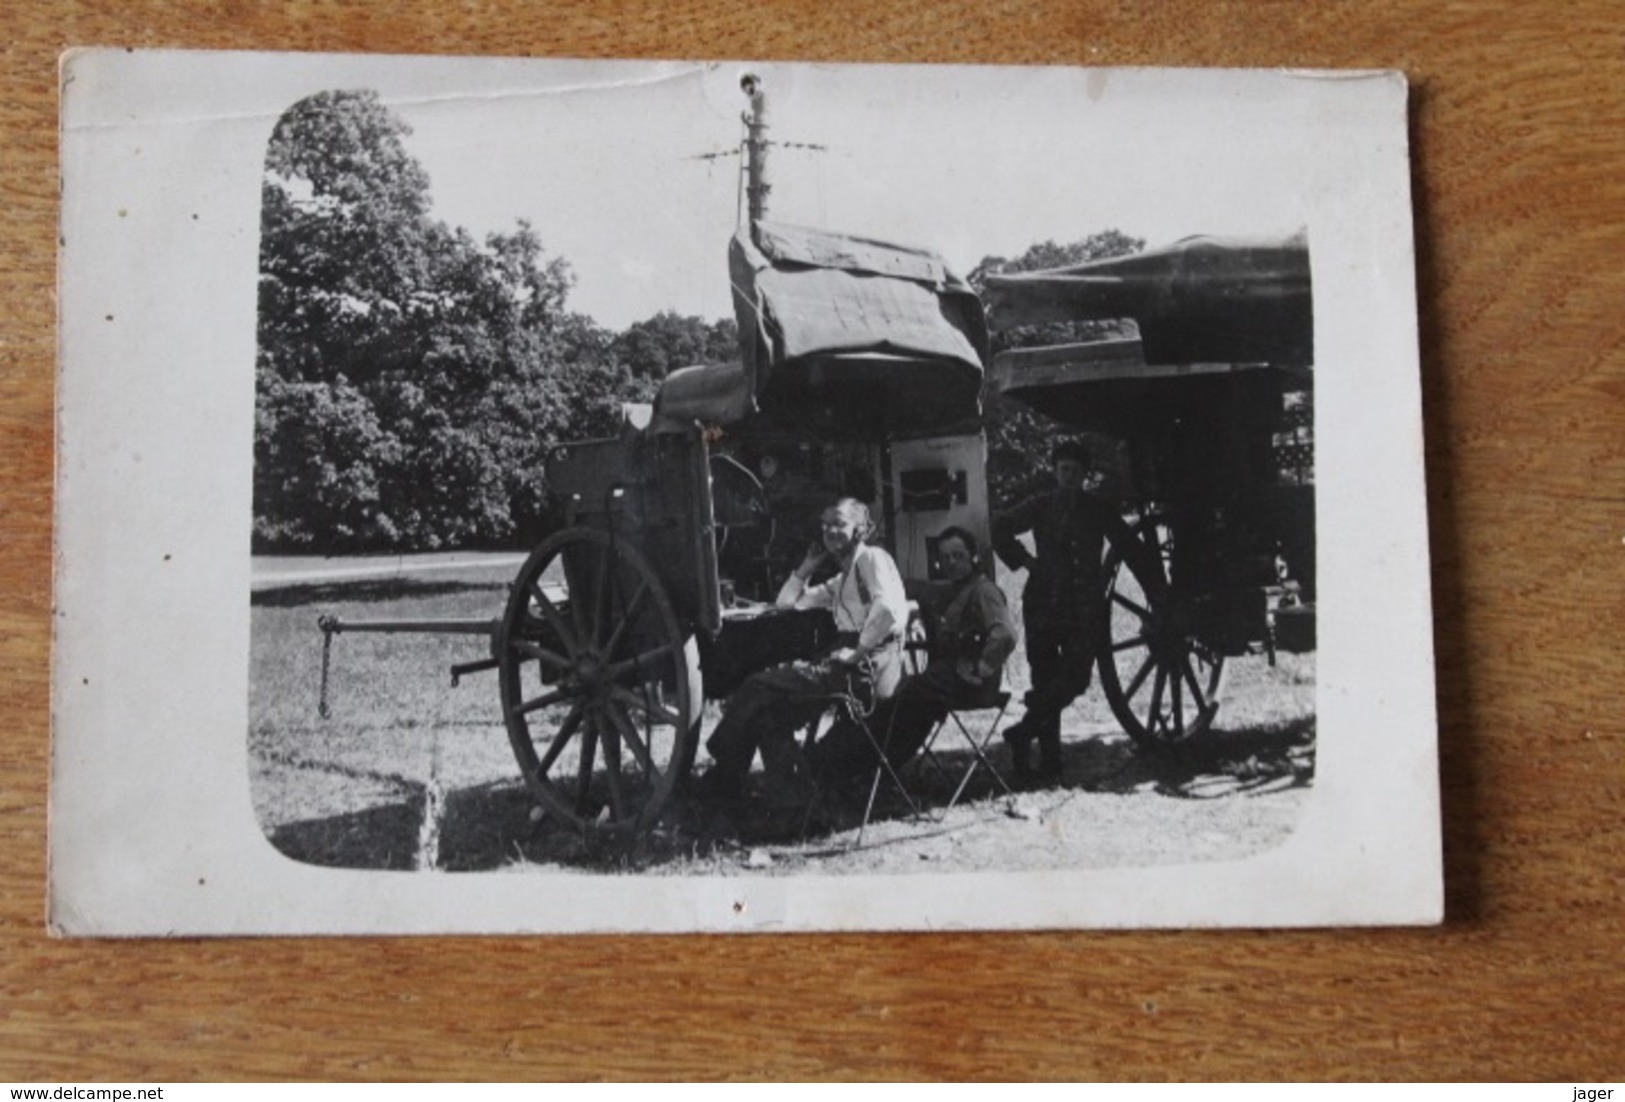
846	706
996	703
883	770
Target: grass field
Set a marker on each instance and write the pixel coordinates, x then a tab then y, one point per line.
412	773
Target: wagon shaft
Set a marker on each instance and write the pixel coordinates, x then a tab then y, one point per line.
334	625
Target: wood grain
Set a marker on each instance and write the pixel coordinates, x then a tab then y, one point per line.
1519	150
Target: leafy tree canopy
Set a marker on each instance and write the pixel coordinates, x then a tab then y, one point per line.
654	348
411	379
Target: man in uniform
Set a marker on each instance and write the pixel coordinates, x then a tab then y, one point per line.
1061	603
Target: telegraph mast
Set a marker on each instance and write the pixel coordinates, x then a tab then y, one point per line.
756	185
752	151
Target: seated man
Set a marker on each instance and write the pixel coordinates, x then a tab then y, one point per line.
969	635
870	609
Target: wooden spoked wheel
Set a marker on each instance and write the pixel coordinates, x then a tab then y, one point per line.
599	683
1162	683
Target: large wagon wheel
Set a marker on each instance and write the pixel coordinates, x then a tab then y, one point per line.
1161	681
599	683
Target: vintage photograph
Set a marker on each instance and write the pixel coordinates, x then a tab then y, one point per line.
705	475
875	560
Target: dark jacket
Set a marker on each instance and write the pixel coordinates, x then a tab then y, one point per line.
1064	581
968	626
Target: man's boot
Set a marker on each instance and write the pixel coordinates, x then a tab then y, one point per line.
785	774
1049	757
717	783
1019	738
1049	748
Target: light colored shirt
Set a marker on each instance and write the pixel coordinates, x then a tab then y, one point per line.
873	575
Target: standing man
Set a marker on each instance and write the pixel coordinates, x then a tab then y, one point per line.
1061	603
871	610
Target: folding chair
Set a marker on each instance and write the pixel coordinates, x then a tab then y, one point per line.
859	713
849	707
883	769
995	703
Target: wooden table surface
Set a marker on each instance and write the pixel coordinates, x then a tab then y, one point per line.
1518	129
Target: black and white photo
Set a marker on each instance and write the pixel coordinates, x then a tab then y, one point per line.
566	496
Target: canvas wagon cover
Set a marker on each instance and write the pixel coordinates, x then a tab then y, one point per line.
1199	300
854	337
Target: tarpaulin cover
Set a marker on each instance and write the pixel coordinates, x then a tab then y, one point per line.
1202	299
716	394
850	337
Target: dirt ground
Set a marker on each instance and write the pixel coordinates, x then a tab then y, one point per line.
410	773
447	798
1115	808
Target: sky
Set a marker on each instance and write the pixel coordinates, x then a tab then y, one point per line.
606	160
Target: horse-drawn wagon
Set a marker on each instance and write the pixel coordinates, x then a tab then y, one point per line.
860	374
1211	404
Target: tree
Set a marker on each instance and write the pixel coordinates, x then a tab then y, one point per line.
1016	434
347	250
319	446
657	346
412	380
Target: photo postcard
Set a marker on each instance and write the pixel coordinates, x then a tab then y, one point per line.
552	496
